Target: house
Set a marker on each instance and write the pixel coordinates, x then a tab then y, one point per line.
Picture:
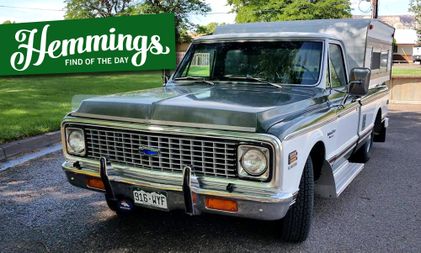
405	35
405	41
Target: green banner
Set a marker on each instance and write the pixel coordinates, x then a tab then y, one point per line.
130	43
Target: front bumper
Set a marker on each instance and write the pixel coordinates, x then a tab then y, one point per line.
263	203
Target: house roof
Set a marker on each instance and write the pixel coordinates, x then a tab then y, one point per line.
397	21
406	36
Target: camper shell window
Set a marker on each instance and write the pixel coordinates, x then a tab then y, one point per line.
379	60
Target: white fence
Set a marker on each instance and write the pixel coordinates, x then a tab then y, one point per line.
200	59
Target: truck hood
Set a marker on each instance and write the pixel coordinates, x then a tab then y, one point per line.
248	108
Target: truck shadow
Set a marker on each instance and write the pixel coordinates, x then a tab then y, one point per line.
149	230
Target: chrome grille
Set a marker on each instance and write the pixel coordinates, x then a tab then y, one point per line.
206	156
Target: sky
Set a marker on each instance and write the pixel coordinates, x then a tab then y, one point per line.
42	10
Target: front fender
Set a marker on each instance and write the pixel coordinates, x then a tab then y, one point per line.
301	145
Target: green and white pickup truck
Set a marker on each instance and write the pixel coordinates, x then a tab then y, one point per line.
256	120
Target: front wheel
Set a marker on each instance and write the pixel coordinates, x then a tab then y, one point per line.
297	222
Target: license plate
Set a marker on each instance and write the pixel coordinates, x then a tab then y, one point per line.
151	199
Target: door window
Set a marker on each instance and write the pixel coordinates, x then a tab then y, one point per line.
336	66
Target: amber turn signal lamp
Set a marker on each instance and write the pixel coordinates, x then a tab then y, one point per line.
221	204
94	182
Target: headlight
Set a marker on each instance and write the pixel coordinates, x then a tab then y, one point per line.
253	162
75	141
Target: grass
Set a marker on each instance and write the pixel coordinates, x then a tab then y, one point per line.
199	71
406	70
36	105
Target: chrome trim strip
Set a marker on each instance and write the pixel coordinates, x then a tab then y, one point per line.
311	126
162	122
375	96
365	134
348	109
327	119
342	153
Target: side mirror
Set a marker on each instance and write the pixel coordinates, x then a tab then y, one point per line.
359	82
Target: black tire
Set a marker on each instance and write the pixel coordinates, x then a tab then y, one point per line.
379	130
297	222
363	154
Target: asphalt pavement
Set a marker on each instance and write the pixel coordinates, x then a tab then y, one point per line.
379	212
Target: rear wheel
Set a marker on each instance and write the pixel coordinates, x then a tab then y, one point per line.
297	222
379	130
362	155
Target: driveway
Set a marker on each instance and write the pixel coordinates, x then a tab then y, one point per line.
378	212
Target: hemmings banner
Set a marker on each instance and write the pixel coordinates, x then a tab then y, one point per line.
130	43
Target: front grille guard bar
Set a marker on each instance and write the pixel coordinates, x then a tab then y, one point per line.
189	201
103	172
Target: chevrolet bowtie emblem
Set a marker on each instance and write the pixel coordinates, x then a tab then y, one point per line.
147	151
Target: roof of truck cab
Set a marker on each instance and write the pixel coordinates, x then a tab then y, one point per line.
264	36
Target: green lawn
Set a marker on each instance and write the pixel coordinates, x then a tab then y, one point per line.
199	71
406	70
35	105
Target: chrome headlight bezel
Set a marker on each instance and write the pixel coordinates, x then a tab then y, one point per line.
243	173
69	148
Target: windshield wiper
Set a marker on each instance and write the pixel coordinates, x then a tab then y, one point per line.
258	79
195	78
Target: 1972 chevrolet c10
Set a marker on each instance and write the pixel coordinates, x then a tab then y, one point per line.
256	120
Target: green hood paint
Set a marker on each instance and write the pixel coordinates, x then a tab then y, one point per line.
256	107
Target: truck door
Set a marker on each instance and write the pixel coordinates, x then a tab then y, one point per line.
347	111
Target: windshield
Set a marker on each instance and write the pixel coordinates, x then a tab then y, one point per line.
283	62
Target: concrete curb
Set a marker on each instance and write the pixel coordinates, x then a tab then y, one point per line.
17	148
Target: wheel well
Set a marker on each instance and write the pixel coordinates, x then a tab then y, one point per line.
317	155
379	114
378	121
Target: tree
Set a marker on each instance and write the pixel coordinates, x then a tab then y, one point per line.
79	9
105	8
181	9
207	29
6	22
277	10
415	8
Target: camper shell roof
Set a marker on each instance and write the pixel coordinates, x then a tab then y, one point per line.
264	36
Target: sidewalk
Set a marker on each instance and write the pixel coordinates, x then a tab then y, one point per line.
12	150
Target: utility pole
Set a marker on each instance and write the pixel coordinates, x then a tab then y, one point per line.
374	8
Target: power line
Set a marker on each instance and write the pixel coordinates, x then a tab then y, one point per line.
28	8
46	9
